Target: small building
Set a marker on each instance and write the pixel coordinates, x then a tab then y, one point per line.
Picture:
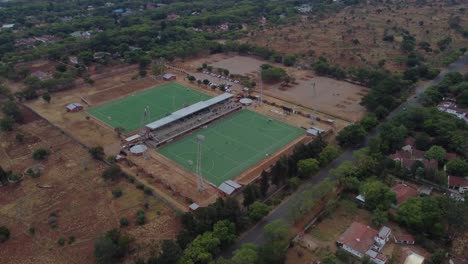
194	206
425	190
404	192
172	16
229	187
246	101
361	240
404	239
74	107
458	184
8	26
169	77
411	257
133	139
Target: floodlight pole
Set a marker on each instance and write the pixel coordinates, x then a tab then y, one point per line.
261	86
198	171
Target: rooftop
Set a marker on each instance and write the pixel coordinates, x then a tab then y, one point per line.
457	181
358	237
404	192
188	111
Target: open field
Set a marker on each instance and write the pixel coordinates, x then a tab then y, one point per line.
70	186
333	97
127	112
354	36
339	99
232	145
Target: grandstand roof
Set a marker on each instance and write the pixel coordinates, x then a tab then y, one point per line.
186	111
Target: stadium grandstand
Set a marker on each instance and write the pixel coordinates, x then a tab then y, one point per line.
189	118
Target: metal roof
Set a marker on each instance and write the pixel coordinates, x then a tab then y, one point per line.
186	111
227	189
138	149
194	206
130	139
233	184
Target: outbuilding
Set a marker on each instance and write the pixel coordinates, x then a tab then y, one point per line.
74	107
169	77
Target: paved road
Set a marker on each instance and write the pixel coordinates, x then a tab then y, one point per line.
255	234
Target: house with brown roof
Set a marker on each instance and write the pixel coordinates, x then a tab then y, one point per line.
404	239
404	192
408	155
458	184
361	240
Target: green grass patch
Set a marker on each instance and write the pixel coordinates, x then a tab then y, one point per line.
232	145
162	101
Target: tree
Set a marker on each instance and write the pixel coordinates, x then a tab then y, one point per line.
247	254
250	194
170	253
225	231
46	97
97	152
12	110
377	195
86	57
457	167
112	173
422	214
264	184
111	247
4	234
351	135
3	176
329	259
369	122
462	99
276	231
123	222
379	217
436	152
328	154
307	167
201	250
6	123
40	154
257	211
438	257
270	73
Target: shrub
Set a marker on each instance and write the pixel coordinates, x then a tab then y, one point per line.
141	218
61	241
148	191
97	152
4	234
71	239
40	154
117	193
32	231
124	222
113	172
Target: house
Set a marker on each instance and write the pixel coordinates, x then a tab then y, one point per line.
411	257
169	77
73	60
74	107
263	21
404	239
8	26
404	192
360	240
224	27
452	108
408	155
458	184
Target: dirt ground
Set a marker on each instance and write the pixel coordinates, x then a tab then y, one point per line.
70	186
335	36
320	238
331	97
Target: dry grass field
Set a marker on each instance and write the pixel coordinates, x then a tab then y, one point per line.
354	36
71	190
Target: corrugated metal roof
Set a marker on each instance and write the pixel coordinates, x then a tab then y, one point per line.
186	111
227	189
130	139
233	184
